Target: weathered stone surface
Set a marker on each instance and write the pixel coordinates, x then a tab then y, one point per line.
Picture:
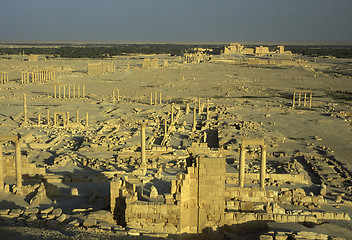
46	210
62	218
90	222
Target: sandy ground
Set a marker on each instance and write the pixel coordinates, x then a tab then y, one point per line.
262	95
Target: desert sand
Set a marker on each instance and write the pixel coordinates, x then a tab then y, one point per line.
245	101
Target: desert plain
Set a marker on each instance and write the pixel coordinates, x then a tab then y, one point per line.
77	159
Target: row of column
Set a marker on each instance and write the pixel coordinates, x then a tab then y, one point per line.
155	97
4	77
38	76
65	91
299	93
66	118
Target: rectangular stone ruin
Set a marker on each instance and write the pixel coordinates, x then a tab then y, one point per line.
100	68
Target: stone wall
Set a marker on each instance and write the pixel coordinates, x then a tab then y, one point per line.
153	216
27	168
232	178
203	195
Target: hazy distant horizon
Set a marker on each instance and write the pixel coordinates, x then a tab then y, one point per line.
49	43
315	22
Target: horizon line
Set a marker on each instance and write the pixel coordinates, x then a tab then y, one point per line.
177	42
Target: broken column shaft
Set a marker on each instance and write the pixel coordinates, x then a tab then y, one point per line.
262	166
242	165
25	108
143	159
194	119
18	164
1	169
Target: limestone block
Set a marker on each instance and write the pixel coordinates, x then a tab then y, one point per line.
266	237
57	212
50	216
153	192
246	206
74	223
74	191
171	229
47	210
328	215
4	211
31	210
281	237
62	218
105	225
32	216
90	222
310	219
16	212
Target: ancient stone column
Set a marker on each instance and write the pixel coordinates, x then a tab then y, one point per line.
59	91
64	86
165	127
39	123
74	91
118	95
194	119
1	169
294	99
299	98
69	91
83	91
86	119
160	97
262	166
113	96
151	98
48	117
199	108
67	118
78	91
207	108
143	159
25	108
172	115
77	116
18	164
305	98
187	108
55	119
310	100
242	166
54	91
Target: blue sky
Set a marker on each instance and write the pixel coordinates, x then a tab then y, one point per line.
318	21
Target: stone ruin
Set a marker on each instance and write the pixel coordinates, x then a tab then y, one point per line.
100	68
194	171
4	77
37	76
299	94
